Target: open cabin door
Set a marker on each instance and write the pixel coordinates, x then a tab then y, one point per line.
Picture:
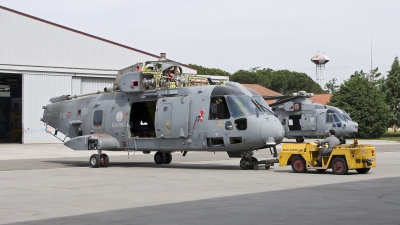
308	122
172	115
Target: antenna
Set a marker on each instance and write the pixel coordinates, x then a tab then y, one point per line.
371	49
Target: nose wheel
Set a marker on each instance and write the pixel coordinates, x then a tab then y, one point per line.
248	164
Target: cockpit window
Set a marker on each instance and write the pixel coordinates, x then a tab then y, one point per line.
346	116
219	108
334	115
241	105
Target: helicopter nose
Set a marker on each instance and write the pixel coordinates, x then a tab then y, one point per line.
271	132
354	127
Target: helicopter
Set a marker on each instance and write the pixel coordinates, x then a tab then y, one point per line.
302	118
154	107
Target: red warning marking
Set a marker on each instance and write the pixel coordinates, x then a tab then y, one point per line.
69	114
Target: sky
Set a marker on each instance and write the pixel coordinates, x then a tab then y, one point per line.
233	35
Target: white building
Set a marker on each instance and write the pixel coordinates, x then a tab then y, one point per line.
40	59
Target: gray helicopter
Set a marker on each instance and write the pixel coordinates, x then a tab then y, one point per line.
302	118
153	107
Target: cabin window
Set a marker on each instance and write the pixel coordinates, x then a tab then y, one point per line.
98	118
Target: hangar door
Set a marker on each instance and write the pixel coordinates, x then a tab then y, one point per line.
10	108
36	92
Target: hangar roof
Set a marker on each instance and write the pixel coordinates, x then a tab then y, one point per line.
35	42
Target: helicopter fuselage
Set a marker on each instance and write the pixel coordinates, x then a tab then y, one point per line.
199	118
303	118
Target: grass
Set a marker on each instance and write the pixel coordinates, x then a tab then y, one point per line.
391	136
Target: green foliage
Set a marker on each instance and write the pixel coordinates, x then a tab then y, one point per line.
365	103
260	77
391	88
331	86
209	71
282	81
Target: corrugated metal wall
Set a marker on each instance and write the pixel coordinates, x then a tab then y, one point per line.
26	41
85	85
37	89
76	86
94	84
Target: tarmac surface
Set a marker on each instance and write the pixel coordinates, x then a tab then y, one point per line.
51	184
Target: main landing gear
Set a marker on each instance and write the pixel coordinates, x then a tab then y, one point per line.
162	157
97	160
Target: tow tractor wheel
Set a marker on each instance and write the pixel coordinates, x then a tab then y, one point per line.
159	157
94	161
104	160
168	158
363	170
299	165
339	166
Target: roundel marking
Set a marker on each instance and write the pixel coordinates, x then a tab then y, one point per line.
119	116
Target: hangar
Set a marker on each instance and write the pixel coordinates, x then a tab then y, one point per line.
40	59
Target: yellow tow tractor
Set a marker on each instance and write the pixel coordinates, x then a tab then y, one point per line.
304	156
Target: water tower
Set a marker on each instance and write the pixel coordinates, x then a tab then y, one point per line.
320	61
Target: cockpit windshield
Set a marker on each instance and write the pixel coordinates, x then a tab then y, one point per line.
346	115
264	107
334	115
241	105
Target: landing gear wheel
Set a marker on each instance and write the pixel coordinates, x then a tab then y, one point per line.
339	166
159	157
243	162
168	158
104	160
363	170
343	141
299	140
267	166
94	161
299	165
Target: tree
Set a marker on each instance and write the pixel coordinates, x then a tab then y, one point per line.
365	103
252	77
391	87
287	82
331	86
209	71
